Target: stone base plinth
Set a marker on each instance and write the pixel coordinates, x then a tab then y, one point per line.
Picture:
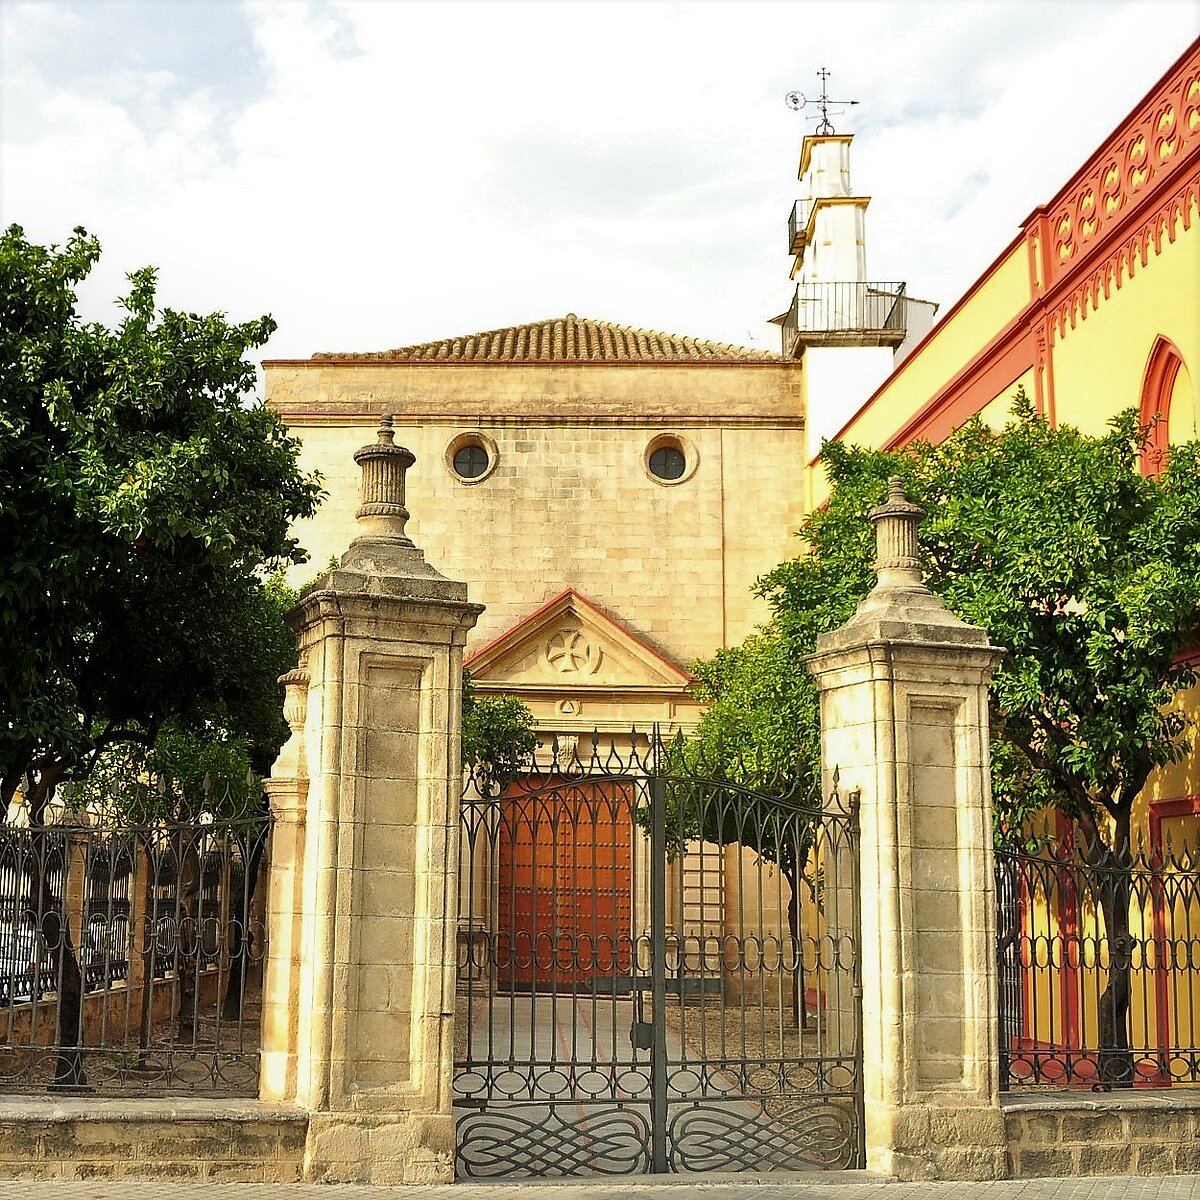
384	1148
920	1142
1071	1133
99	1138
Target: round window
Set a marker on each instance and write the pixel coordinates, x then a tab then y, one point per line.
470	461
667	462
669	459
471	457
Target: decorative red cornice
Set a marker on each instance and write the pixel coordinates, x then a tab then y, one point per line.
1148	147
1127	248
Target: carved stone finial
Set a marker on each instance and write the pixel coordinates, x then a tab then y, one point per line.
381	512
897	558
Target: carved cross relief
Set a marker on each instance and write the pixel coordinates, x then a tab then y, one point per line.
570	653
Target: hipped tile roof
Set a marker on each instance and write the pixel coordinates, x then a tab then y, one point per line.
567	339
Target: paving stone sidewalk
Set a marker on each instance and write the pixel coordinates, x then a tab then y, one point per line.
848	1186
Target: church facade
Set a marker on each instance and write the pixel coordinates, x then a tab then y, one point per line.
610	494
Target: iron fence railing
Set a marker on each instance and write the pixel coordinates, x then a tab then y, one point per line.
845	314
130	955
797	224
1099	968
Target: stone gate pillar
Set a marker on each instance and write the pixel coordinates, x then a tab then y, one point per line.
904	719
359	999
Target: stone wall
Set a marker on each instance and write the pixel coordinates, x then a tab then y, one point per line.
569	502
1146	1133
151	1139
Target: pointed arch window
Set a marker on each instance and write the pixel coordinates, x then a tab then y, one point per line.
1165	373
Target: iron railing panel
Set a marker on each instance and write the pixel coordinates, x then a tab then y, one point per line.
693	1040
845	313
130	955
1078	1007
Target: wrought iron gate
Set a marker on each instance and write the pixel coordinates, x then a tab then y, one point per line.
657	969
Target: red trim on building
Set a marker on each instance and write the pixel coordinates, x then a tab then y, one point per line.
1001	363
928	339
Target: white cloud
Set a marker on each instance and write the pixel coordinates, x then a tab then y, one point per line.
380	173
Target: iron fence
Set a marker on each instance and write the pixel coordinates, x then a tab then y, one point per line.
1099	967
130	955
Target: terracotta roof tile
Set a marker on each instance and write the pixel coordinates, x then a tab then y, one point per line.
566	339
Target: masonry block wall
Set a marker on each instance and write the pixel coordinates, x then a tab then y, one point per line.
569	502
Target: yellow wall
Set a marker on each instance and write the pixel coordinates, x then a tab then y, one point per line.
952	343
1100	364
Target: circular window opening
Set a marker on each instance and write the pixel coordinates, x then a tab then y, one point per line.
471	457
667	462
670	459
470	461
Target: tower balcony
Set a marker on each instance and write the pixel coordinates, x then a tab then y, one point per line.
845	314
798	226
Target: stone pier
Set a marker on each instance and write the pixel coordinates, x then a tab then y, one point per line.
359	995
904	719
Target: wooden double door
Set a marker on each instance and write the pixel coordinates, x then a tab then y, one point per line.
565	871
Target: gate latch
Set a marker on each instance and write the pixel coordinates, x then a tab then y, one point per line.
641	1034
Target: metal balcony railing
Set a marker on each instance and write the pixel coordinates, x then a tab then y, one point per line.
797	224
845	314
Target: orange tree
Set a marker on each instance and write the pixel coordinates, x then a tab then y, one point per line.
1086	571
144	500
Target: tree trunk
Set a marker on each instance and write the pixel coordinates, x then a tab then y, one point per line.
187	933
54	925
793	873
51	916
1113	890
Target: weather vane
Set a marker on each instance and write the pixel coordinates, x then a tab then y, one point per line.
797	100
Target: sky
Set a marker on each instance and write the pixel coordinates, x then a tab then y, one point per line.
377	173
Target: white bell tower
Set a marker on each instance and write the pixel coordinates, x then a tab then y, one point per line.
849	331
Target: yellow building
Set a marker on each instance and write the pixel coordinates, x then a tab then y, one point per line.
1092	308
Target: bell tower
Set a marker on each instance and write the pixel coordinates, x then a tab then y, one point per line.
849	330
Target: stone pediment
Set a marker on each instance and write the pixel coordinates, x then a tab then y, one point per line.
570	645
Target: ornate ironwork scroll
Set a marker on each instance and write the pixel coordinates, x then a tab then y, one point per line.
657	968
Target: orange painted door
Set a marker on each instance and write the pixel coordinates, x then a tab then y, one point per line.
564	895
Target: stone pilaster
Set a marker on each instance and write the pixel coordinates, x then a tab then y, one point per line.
904	719
381	638
287	790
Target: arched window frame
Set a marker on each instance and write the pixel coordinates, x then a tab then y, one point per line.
1158	383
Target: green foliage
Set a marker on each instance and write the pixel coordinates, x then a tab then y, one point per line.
181	777
1050	539
143	499
497	735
